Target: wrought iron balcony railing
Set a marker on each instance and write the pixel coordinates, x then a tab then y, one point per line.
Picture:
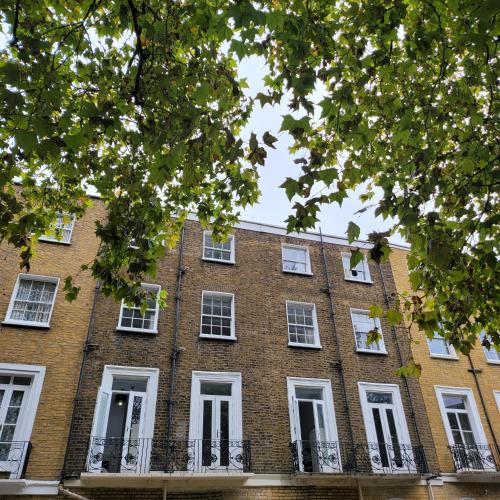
147	455
378	458
14	456
474	458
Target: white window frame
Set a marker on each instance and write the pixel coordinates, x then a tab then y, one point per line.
317	343
26	421
399	417
475	419
233	316
308	271
141	330
496	394
347	271
195	420
32	277
53	238
381	342
330	419
232	260
487	351
452	353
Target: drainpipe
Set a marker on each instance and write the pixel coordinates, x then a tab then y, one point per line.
70	494
429	486
181	269
360	491
400	358
474	372
338	363
88	347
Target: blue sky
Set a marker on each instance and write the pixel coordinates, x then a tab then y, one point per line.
274	206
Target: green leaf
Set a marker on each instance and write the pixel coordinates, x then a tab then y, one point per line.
412	369
394	317
376	311
269	140
353	231
25	140
291	187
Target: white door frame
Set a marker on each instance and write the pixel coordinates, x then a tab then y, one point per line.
475	419
330	420
26	419
101	415
399	418
196	415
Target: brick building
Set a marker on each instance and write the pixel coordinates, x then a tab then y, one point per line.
462	400
255	382
41	342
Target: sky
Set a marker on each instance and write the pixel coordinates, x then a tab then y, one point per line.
274	207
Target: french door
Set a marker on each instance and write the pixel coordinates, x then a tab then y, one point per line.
466	449
117	442
134	448
313	421
216	431
14	393
388	442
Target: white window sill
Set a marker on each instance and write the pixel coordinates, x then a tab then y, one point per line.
303	273
354	280
493	361
32	324
217	337
444	356
219	261
304	346
57	242
372	351
135	330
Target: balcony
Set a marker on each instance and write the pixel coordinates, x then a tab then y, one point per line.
345	458
144	455
474	458
14	456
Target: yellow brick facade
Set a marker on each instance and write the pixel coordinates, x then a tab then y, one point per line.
58	348
452	373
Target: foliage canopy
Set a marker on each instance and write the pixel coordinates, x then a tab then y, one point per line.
142	101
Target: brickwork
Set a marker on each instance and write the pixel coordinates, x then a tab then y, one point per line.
59	348
452	373
260	352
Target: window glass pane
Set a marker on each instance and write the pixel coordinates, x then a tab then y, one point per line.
207	434
22	380
17	398
217	251
379	397
33	300
309	392
464	421
457	402
295	259
491	354
457	437
5	379
215	388
357	272
217	315
469	438
380	437
452	419
129	384
438	345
